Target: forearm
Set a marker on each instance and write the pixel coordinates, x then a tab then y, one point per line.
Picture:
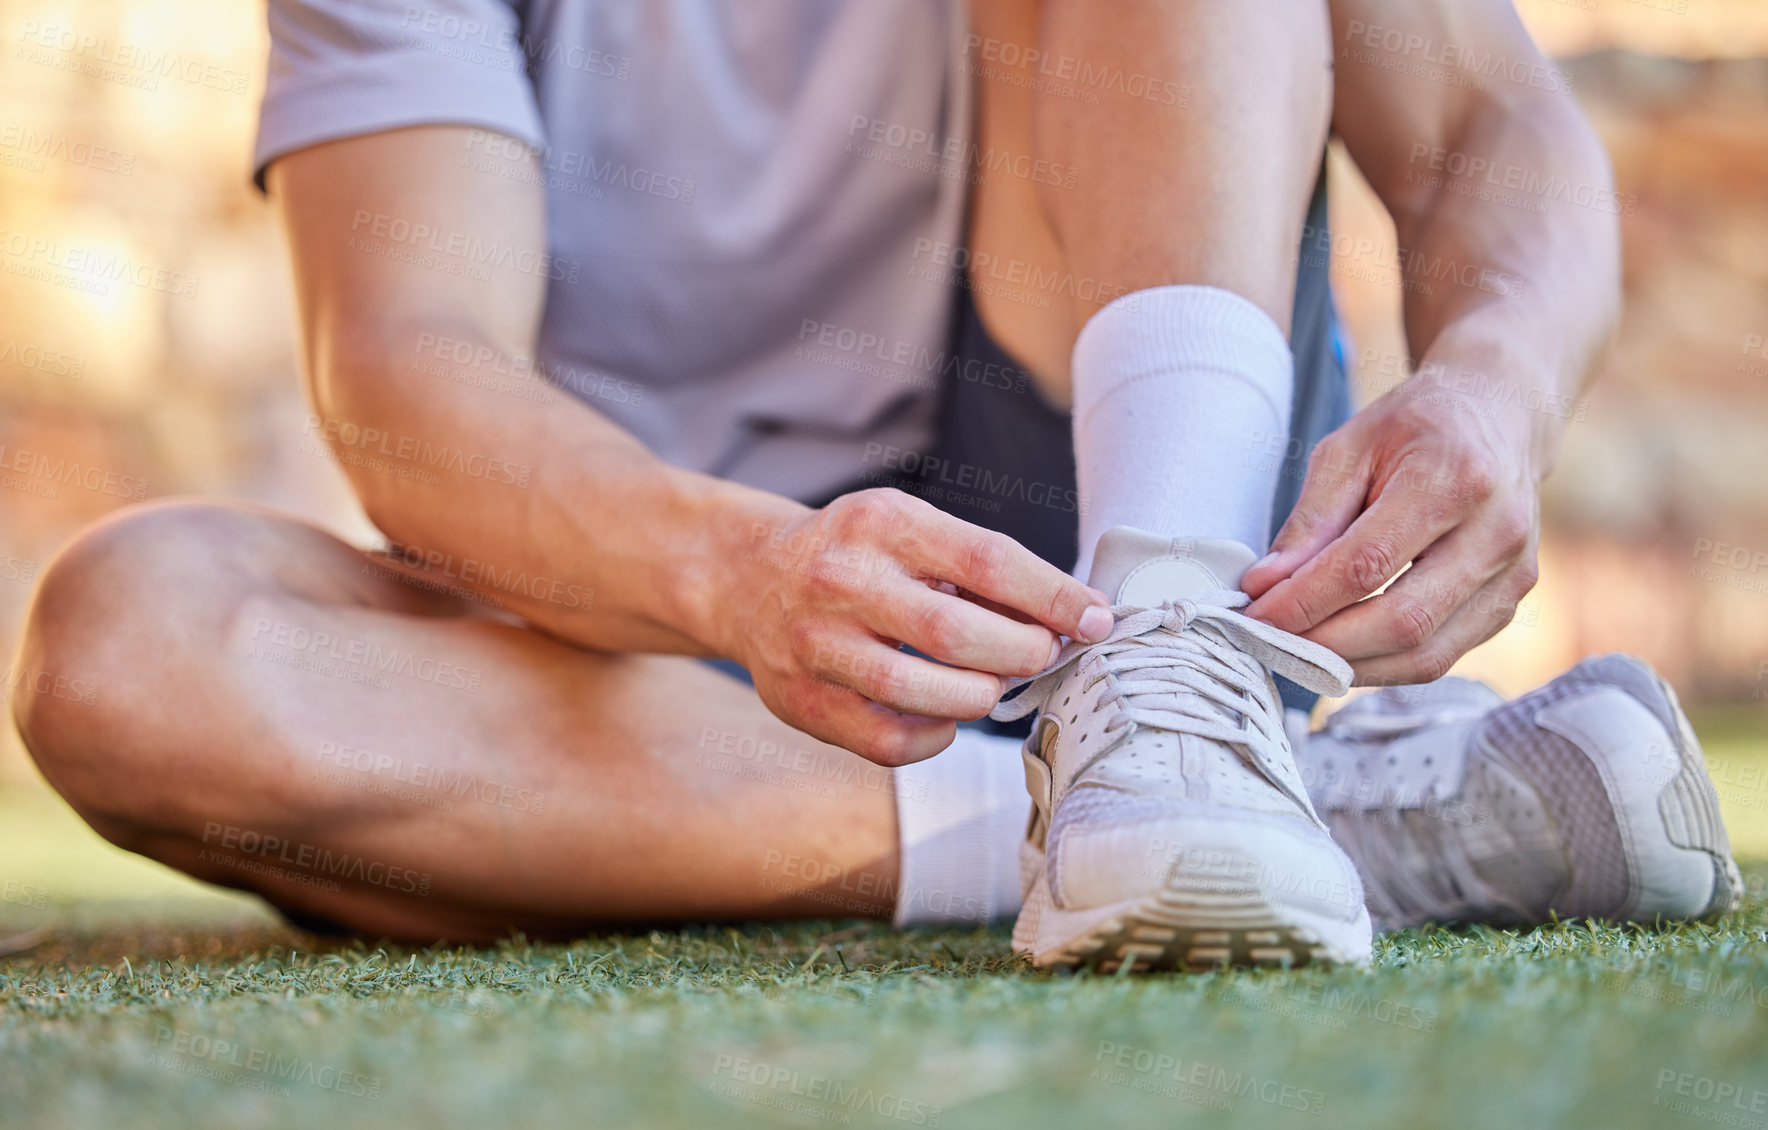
542	506
1512	270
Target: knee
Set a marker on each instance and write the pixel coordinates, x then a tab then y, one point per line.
107	611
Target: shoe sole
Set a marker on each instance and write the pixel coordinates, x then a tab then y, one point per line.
1178	929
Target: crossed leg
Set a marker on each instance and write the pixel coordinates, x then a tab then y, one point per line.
274	710
222	737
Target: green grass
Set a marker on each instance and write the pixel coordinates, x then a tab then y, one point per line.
147	1000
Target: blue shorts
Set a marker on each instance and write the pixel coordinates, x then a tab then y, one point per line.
1005	430
1015	436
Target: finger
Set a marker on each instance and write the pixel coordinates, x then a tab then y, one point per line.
954	630
1478	620
996	607
1331	497
844	717
997	568
1398	526
1426	596
905	683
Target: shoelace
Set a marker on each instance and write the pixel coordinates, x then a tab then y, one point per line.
1361	725
1413	867
1413	864
1371	724
1193	666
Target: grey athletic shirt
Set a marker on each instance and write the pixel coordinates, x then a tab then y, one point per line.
743	197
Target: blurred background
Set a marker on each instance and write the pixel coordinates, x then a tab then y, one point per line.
146	342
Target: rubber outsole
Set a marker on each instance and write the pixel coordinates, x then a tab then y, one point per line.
1193	930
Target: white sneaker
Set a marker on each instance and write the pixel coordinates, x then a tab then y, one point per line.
1170	826
1585	798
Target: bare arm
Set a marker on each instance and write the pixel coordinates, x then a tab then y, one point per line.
1505	211
619	550
369	320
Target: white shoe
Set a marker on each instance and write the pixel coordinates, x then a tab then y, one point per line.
1585	798
1170	826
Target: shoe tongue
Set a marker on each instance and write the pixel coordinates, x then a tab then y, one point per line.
1145	570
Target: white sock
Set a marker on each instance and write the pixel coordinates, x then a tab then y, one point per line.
960	816
1181	416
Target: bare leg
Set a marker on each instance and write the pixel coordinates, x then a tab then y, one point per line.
192	726
1210	188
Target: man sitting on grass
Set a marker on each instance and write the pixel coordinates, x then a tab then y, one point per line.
836	341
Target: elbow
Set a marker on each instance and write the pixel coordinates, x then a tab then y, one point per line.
359	396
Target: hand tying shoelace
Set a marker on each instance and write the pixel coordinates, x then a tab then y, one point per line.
1194	666
1170	826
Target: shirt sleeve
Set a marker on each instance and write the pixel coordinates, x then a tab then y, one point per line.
342	68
